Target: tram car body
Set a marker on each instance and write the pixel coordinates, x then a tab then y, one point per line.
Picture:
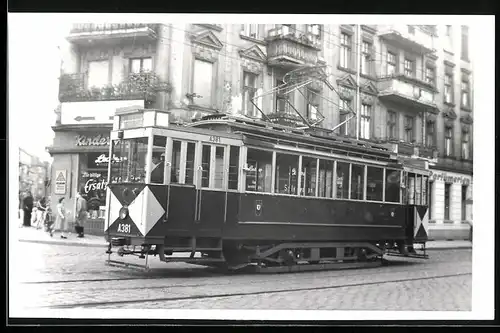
233	191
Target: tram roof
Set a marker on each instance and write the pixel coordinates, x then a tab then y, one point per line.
260	132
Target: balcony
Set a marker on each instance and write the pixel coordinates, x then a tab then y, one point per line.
287	48
144	85
90	34
407	91
419	40
413	150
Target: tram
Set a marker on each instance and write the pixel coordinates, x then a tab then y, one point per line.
235	192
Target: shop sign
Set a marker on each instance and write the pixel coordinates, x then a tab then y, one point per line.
60	182
104	159
96	140
95	185
443	176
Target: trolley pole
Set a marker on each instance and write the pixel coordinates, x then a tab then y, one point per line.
358	65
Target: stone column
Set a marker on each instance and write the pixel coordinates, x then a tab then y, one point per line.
163	45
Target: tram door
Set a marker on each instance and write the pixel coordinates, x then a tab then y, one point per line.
415	198
211	193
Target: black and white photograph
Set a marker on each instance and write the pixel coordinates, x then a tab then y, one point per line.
235	167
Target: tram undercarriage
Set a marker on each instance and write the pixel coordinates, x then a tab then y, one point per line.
277	257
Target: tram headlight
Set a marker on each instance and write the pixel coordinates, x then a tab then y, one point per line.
123	213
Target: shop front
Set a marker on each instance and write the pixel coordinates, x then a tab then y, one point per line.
450	199
80	163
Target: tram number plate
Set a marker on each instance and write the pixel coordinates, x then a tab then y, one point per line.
125	228
215	139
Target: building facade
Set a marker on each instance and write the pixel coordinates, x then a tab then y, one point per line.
33	175
415	93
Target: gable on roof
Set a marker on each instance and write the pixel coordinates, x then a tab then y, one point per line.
369	88
207	38
347	81
254	52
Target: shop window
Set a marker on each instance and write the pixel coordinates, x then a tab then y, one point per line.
342	181
357	181
375	184
259	171
131	166
286	173
308	184
392	185
93	181
325	189
234	161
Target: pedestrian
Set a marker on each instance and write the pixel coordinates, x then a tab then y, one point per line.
41	213
60	224
81	214
27	208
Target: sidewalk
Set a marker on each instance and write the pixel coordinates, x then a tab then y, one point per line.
30	234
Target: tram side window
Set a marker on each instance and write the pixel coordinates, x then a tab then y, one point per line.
418	189
342	181
286	173
234	160
259	171
158	160
392	185
308	187
357	181
205	164
325	179
219	168
191	148
175	171
132	166
374	186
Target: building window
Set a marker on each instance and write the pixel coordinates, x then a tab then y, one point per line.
465	92
249	90
391	124
281	98
345	111
447	188
345	50
448	31
312	105
315	30
448	141
409	66
409	121
365	121
250	30
430	75
391	63
98	74
430	131
465	145
366	58
448	88
202	82
464	55
138	65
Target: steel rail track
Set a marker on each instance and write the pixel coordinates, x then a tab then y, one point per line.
224	295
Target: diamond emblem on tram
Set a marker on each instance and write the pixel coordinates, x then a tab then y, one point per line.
154	210
114	209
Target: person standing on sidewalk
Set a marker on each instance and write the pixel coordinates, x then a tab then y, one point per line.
60	224
81	214
27	207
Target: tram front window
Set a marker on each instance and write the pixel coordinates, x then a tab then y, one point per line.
132	166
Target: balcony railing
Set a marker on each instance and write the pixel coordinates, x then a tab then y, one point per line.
109	27
407	90
418	40
144	85
287	46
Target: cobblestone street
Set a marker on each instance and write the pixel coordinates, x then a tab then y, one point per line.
59	277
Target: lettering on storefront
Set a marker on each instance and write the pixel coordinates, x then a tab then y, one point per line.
97	140
104	159
443	176
95	185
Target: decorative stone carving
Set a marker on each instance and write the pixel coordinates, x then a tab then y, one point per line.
207	38
369	88
467	119
347	80
253	53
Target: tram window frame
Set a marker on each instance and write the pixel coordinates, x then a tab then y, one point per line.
378	189
159	145
175	162
206	164
256	163
359	184
343	191
190	171
390	188
308	174
218	180
233	169
133	157
325	182
283	161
